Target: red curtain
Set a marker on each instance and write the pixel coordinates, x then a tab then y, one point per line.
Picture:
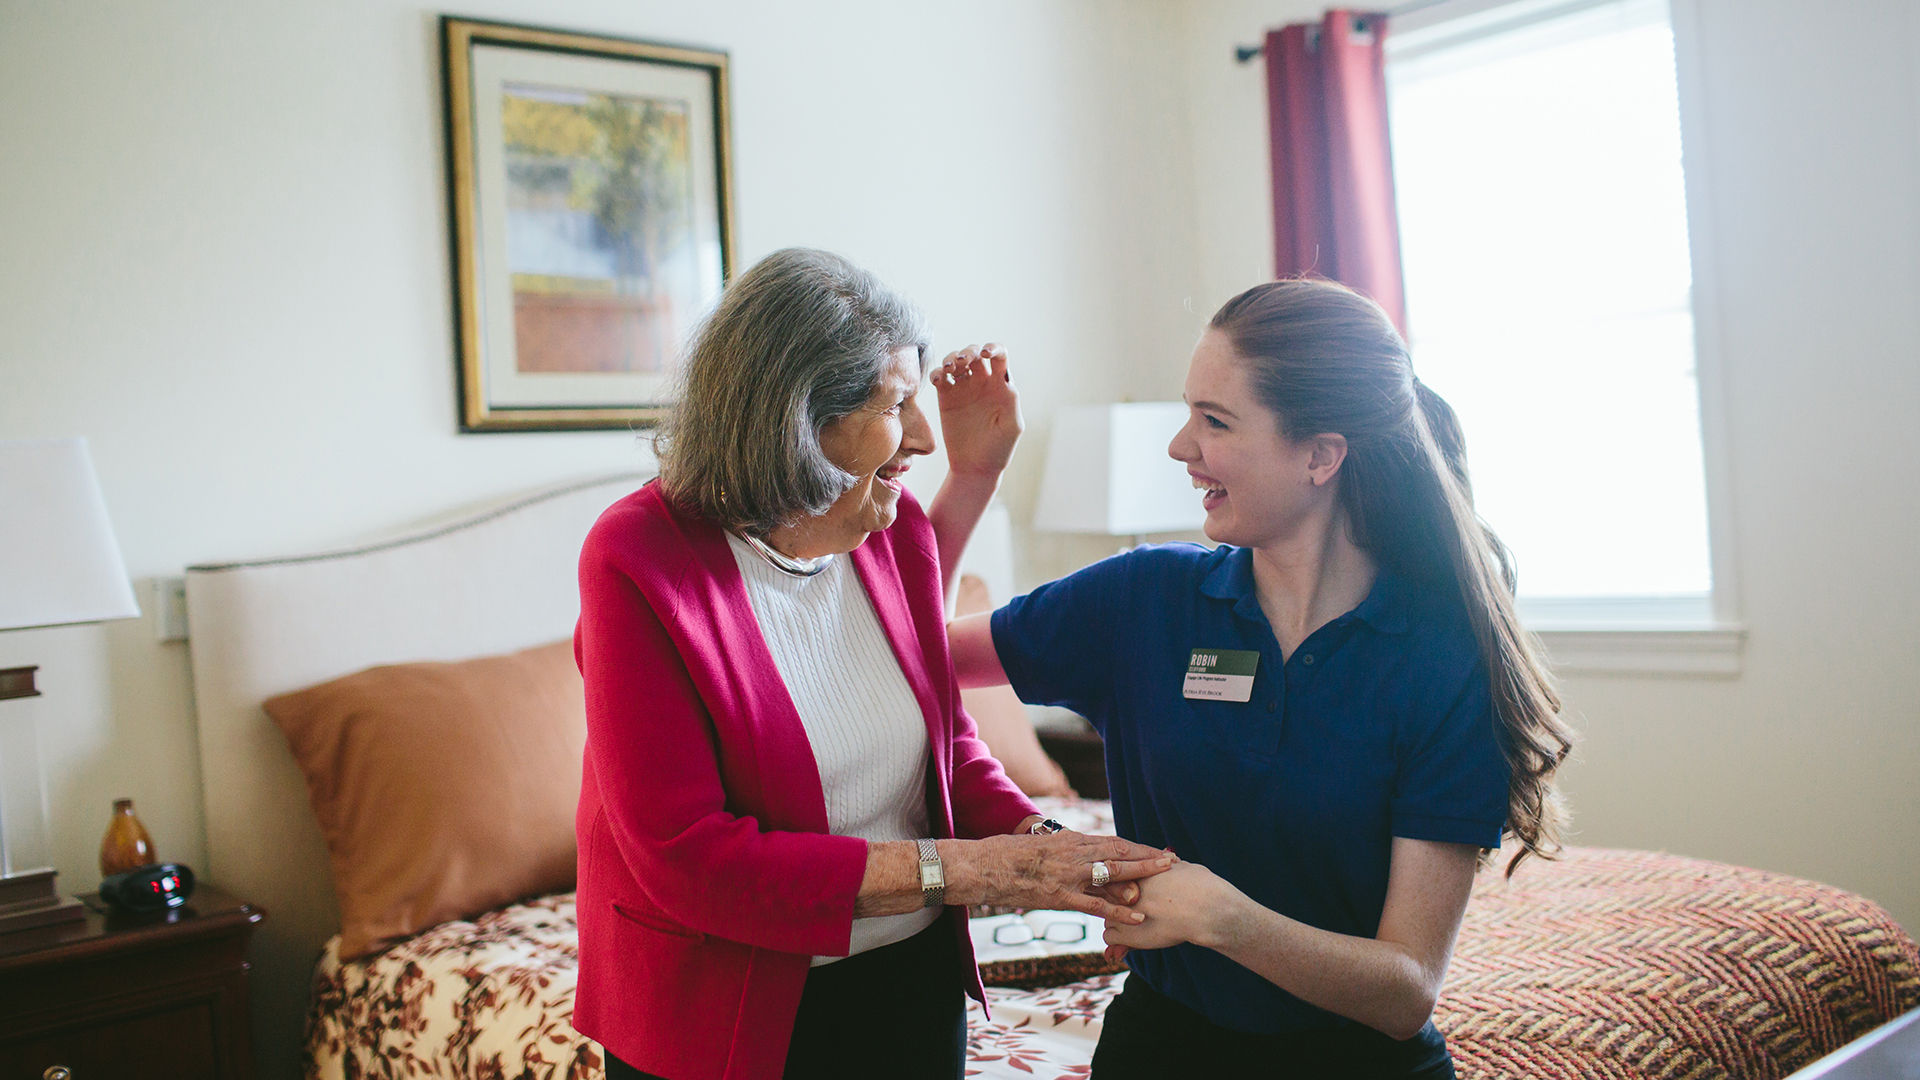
1333	212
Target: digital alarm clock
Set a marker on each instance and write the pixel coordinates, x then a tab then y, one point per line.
147	889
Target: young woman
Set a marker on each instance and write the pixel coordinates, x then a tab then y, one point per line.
1332	717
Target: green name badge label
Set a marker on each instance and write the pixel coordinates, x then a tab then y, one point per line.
1220	674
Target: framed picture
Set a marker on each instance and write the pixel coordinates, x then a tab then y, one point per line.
591	201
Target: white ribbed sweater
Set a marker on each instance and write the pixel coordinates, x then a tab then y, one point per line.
869	737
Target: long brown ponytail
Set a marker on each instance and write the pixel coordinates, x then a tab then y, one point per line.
1325	359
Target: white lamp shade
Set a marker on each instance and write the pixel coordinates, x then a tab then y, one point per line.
59	563
1108	472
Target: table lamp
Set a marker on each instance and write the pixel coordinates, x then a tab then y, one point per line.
1108	472
59	565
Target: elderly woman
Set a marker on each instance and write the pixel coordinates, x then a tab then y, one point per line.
784	807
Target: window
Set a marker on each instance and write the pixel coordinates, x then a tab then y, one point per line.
1549	289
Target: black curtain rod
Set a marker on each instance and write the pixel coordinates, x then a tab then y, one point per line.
1247	53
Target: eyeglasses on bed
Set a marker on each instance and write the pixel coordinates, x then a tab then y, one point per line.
1060	933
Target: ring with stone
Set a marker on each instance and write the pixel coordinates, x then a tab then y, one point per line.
1101	875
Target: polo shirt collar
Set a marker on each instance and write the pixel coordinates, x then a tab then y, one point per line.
1232	579
1384	609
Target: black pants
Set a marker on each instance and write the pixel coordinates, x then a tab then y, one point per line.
1149	1035
895	1011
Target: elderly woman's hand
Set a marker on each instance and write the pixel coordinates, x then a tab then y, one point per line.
1055	872
979	411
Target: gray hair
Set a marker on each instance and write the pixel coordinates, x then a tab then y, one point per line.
797	341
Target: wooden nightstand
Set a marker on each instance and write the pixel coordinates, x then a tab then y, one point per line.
155	997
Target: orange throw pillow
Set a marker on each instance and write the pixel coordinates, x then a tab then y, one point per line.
444	789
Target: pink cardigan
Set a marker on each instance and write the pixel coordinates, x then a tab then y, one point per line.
707	876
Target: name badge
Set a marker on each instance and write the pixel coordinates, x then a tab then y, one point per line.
1220	675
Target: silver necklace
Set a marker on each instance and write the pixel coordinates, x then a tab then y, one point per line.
787	564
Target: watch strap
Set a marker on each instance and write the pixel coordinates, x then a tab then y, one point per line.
933	877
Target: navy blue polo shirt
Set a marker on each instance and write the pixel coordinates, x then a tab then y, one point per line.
1379	725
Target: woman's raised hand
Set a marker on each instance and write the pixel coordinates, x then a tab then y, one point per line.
1056	872
979	410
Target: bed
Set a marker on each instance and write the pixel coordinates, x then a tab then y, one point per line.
1608	964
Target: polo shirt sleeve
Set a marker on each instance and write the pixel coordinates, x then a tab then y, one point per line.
1057	642
1451	780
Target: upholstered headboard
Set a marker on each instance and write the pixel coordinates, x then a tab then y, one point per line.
499	580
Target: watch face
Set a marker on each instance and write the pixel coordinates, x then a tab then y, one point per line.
932	875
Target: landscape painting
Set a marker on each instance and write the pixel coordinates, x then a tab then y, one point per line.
591	206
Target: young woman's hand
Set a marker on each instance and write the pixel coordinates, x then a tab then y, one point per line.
1125	894
1052	872
1181	905
979	411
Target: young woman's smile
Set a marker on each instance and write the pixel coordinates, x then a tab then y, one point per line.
1255	481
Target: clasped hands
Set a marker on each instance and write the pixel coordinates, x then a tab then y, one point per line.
1054	872
1152	899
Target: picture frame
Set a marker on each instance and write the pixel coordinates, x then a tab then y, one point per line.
591	202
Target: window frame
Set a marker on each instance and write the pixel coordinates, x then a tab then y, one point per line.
1689	636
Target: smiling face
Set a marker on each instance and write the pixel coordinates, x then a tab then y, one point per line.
1258	483
874	443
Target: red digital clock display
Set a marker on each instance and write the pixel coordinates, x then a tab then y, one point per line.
149	888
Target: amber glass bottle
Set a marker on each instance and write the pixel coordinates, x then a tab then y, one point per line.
126	844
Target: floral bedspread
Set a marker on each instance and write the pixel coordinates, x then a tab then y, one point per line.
1039	1034
491	999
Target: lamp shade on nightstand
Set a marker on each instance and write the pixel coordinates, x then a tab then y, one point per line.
1108	472
59	563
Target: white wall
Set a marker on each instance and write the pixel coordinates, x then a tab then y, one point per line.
1232	175
225	261
1805	122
